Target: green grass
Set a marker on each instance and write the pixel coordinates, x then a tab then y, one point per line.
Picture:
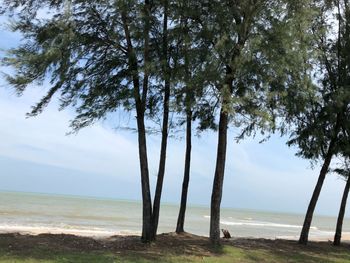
168	247
225	254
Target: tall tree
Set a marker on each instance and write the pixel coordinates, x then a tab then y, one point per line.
165	124
318	128
140	102
188	112
187	60
230	26
97	57
185	57
246	75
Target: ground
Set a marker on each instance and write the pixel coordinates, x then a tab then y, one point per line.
168	248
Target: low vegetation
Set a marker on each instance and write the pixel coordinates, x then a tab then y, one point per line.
168	248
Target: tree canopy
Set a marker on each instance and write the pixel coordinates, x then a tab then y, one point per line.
259	65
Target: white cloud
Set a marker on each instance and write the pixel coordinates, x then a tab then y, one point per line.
42	139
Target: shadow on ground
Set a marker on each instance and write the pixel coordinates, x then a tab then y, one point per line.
169	247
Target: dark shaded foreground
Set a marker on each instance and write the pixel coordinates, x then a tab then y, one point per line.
169	247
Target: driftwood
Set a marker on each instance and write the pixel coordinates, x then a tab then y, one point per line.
226	233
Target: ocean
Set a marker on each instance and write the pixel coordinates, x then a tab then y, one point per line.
43	213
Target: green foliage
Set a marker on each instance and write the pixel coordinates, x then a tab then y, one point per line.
270	64
254	62
325	117
81	51
344	169
259	47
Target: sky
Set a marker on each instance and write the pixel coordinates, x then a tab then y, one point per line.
36	155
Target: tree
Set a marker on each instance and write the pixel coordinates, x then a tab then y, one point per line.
228	27
165	125
97	57
245	73
318	128
190	57
184	32
344	51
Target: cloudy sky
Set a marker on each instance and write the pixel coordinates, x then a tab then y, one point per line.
37	156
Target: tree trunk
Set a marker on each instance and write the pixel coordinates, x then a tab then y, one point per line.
337	236
140	103
165	124
146	194
304	235
311	208
218	179
162	159
181	217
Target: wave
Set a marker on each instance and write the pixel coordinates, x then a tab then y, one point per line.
253	223
263	224
245	218
68	229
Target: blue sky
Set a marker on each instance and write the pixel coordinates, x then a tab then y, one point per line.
37	156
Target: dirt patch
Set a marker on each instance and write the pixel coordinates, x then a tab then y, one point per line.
171	243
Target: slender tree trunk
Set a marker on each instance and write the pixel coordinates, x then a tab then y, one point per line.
338	231
141	105
188	100
165	124
218	179
140	102
181	217
161	169
304	235
216	195
146	194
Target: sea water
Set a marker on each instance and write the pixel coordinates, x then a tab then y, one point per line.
42	213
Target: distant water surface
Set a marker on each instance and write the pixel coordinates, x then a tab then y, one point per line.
41	213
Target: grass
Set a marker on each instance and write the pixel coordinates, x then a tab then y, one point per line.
229	254
168	248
